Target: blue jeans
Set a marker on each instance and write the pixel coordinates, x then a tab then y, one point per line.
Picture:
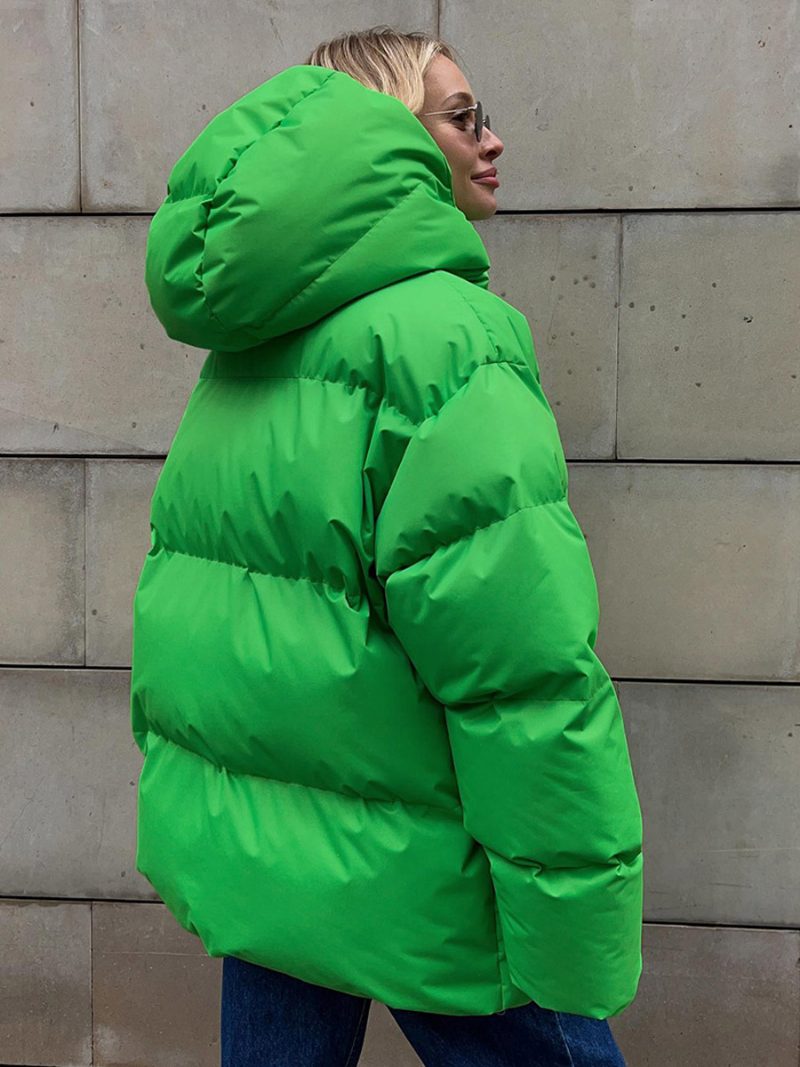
270	1019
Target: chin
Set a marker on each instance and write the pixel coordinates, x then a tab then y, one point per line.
477	212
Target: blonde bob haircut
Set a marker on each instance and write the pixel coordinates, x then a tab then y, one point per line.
385	59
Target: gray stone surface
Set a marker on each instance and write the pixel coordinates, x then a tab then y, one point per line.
139	116
385	1045
85	366
709	339
68	785
713	997
637	105
41	561
118	494
155	990
696	568
708	996
561	272
39	106
662	336
45	982
716	768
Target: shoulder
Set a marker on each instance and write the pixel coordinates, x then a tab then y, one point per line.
424	336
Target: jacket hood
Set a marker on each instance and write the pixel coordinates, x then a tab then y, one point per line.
308	192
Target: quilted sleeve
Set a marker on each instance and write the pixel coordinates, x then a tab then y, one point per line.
490	590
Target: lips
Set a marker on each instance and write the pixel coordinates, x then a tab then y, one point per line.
487	177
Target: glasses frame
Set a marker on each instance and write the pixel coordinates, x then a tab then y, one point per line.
481	120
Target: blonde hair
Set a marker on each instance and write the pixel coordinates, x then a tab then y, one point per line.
385	59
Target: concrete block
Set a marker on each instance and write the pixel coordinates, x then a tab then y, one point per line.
709	322
708	997
87	366
713	997
696	567
118	494
635	106
68	788
384	1042
137	118
41	561
39	106
561	272
155	990
45	983
716	769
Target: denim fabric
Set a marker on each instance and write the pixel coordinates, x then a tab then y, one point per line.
270	1019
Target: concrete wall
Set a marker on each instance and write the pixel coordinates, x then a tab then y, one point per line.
649	229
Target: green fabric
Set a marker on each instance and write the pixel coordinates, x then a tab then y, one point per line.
380	753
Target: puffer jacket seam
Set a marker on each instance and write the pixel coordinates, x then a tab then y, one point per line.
501	951
382	400
476	529
203	235
314	281
628	857
455	813
256	329
321	582
366	388
491	337
468	379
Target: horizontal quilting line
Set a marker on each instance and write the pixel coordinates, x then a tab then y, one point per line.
603	686
478	366
453	812
477	529
352	389
523	701
318	582
360	386
628	858
204	194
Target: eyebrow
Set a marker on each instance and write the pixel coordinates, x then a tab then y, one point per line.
460	96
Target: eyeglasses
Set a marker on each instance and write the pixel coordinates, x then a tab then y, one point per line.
481	120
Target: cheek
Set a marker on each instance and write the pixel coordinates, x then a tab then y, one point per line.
462	157
466	164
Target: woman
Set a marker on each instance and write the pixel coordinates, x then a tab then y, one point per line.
382	760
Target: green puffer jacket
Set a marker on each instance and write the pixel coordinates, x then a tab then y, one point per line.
380	752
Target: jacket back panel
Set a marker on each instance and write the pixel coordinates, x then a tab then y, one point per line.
298	764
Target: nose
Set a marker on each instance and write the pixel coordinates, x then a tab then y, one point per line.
490	144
